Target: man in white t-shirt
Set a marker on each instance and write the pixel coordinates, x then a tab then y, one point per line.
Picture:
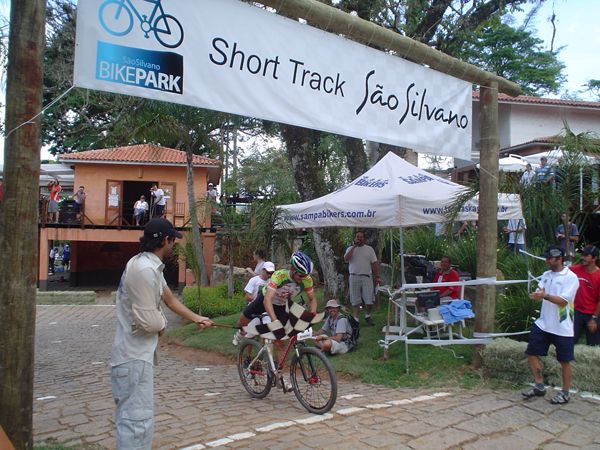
556	291
258	281
515	228
364	269
159	201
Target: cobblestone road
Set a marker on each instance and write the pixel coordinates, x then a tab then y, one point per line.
199	405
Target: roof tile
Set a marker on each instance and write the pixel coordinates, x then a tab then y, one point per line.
140	154
542	101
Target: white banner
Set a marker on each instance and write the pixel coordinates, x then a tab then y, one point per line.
229	56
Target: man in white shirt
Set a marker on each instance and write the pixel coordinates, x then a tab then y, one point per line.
556	291
140	321
258	281
159	201
515	228
528	176
364	270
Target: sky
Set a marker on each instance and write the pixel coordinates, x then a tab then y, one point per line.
578	32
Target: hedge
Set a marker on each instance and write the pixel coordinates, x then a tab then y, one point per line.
213	300
505	359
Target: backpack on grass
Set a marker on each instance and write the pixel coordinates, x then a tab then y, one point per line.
354	325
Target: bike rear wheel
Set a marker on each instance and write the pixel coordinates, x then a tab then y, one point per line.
313	380
168	31
254	371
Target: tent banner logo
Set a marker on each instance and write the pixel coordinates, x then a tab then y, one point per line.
377	183
237	58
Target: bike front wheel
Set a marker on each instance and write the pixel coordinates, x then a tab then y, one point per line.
313	380
253	368
115	17
168	31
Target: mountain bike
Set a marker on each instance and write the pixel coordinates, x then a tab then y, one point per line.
116	16
312	377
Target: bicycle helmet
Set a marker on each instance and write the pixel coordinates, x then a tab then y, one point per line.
301	263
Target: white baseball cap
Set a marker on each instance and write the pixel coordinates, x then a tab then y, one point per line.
332	304
269	266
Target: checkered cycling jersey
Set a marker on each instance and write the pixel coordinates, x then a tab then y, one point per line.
286	288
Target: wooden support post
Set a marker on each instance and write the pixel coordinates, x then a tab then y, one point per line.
19	219
487	230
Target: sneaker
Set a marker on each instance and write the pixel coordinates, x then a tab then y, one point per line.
533	392
561	398
237	338
369	321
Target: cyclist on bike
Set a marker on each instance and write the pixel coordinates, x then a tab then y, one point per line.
283	286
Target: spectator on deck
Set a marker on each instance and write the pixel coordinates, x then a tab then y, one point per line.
54	188
79	198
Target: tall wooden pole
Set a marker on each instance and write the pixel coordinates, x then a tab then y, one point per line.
19	219
487	230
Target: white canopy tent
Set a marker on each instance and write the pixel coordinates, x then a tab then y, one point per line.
553	157
514	163
393	193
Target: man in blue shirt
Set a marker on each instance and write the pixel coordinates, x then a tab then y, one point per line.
545	173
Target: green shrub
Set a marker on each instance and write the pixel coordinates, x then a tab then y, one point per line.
423	241
212	302
464	253
515	311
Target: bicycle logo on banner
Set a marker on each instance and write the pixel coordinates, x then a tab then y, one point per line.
117	18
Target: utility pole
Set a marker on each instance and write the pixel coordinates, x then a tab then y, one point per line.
19	219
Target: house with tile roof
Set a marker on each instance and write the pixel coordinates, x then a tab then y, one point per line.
529	125
104	236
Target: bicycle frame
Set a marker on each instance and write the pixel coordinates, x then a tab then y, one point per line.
268	347
142	17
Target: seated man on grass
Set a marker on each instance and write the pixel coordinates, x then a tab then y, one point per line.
336	335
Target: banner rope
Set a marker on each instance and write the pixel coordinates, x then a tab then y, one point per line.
44	109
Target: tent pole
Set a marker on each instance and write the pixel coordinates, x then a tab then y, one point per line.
580	188
392	255
402	279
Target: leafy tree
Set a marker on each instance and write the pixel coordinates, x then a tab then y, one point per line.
516	55
593	87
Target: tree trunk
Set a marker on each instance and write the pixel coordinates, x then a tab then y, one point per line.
302	148
196	238
356	158
487	230
18	223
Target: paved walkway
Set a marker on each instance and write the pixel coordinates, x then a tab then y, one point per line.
202	406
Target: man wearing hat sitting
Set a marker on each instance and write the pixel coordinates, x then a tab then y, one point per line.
340	332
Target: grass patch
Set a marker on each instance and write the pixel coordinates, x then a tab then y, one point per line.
430	367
